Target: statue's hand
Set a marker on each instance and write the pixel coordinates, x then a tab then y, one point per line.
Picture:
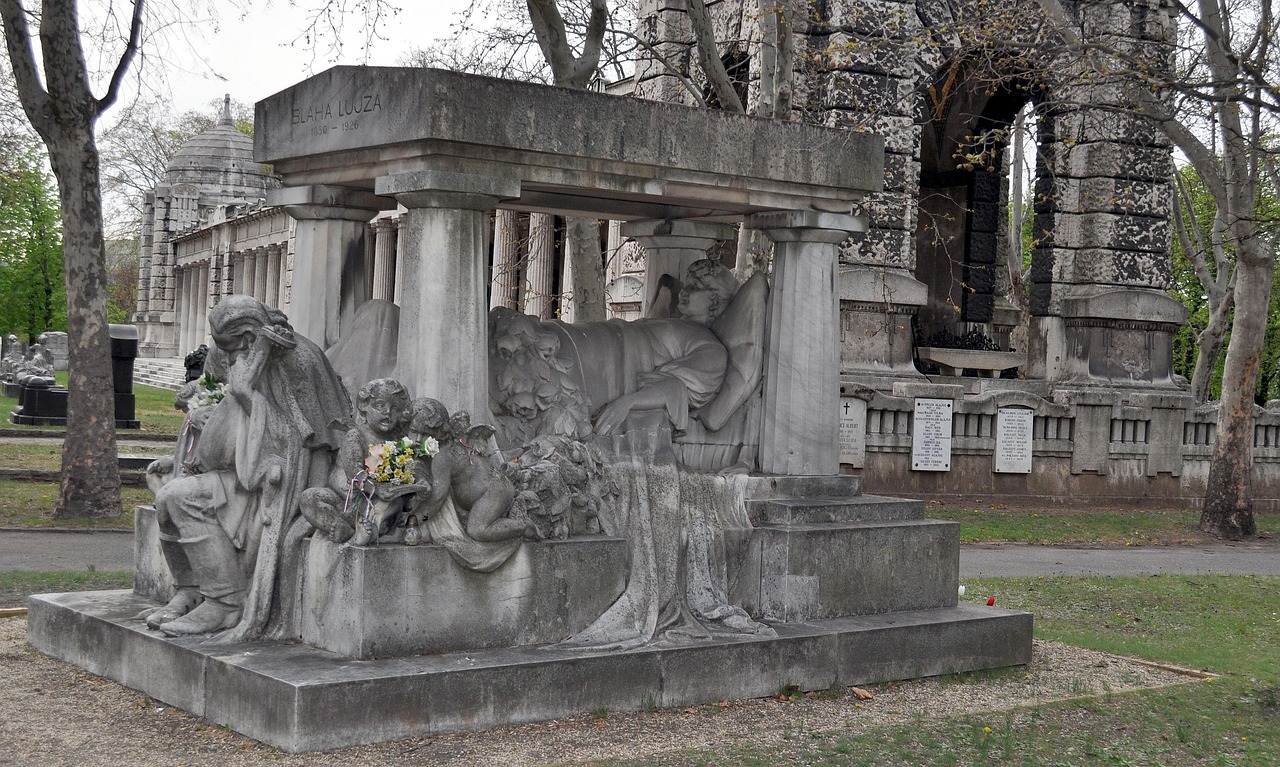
612	415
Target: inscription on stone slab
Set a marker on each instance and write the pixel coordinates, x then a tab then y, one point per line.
931	435
1013	440
853	431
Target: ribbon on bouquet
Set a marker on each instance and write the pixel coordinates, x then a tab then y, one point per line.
362	486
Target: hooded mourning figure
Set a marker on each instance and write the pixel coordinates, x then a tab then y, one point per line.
230	526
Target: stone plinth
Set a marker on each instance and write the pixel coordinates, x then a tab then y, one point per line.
299	698
392	601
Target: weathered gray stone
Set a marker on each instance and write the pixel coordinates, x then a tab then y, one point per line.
393	601
302	699
355	108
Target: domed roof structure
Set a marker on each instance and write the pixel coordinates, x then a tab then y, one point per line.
220	163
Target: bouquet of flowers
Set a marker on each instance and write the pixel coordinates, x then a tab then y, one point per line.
393	461
209	391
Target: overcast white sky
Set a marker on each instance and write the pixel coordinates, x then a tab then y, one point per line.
254	56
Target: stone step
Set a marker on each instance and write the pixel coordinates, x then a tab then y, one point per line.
802	572
763	488
299	698
864	508
160	372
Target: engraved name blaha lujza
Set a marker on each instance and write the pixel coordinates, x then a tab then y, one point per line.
340	114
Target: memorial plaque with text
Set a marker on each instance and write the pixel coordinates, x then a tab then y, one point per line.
853	431
931	435
1013	440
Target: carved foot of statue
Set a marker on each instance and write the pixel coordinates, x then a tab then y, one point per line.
212	615
367	532
181	604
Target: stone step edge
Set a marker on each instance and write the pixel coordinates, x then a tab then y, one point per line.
322	700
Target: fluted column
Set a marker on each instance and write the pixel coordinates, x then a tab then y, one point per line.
237	273
328	257
506	259
384	259
202	304
249	286
260	277
443	349
670	246
190	314
540	265
272	285
799	430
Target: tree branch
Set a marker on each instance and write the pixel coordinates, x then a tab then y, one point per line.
709	58
17	37
126	58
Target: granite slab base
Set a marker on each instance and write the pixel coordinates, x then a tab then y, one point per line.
299	698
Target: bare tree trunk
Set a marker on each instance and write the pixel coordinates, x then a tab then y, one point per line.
1228	502
90	469
60	105
1208	349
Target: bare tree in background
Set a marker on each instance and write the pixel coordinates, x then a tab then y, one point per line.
1228	81
59	102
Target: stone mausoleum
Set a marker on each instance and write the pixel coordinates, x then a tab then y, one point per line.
1078	374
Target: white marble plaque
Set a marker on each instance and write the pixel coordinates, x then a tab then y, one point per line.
931	435
853	431
1013	440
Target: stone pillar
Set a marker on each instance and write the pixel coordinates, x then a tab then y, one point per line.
260	285
237	273
286	270
398	277
384	259
799	431
443	349
540	265
272	284
506	260
670	246
189	279
202	304
328	257
249	286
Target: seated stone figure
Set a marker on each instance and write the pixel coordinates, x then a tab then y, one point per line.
12	357
36	367
231	531
383	413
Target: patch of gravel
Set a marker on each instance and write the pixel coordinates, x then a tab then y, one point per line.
52	713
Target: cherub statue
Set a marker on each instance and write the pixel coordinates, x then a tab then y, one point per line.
354	505
463	474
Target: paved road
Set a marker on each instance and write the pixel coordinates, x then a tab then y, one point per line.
1262	558
21	550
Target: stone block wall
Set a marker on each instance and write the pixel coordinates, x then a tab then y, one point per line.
1090	446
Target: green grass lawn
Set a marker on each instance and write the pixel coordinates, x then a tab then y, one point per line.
993	521
30	504
17	585
153	408
1229	625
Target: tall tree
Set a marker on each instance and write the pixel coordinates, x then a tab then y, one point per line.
60	104
1231	76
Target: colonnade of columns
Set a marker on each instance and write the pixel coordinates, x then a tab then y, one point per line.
259	272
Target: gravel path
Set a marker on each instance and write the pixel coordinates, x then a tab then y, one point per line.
56	714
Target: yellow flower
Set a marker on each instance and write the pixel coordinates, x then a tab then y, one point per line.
986	729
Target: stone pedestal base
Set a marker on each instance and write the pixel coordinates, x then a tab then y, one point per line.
299	698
